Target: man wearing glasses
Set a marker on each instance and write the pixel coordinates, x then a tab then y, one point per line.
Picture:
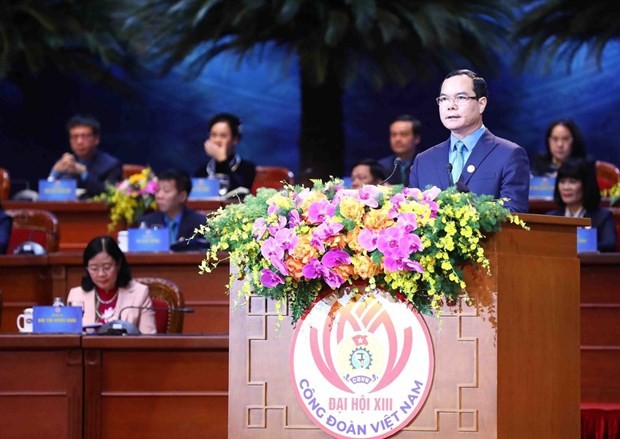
91	167
472	158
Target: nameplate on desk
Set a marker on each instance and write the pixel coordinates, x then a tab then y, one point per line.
148	240
57	190
56	319
205	188
586	239
542	188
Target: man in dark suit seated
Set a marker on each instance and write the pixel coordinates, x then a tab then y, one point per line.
404	139
91	167
472	158
6	223
173	189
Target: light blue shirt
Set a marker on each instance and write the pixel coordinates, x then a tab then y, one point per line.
469	142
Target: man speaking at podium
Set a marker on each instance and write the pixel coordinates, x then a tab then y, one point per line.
472	158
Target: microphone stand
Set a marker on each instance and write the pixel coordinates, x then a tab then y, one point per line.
397	162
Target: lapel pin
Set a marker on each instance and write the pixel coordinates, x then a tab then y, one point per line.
471	169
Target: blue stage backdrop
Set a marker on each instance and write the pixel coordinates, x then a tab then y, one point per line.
165	123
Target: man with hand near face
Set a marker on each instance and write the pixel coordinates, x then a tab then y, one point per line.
173	189
224	161
472	158
91	167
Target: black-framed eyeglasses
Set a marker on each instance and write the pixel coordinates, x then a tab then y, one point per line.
458	100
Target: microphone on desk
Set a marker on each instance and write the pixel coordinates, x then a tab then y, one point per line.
397	162
123	327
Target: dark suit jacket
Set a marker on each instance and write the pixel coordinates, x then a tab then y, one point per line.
6	223
605	223
387	163
102	168
190	220
242	176
495	167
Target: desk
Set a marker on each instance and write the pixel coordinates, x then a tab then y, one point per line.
80	221
41	386
35	280
155	387
95	387
600	328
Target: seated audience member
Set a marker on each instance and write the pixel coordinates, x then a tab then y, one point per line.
173	189
367	171
224	134
404	139
564	140
107	292
91	167
577	193
6	225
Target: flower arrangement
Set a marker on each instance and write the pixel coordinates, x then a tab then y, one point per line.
614	195
130	198
291	245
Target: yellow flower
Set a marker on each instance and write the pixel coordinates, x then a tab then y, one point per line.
351	208
377	219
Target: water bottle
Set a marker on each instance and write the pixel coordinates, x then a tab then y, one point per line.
58	301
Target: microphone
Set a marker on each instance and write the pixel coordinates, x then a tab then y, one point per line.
460	186
123	327
397	162
449	171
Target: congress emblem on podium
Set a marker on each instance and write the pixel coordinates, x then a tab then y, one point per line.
361	363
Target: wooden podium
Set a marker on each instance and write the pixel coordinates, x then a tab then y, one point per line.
506	367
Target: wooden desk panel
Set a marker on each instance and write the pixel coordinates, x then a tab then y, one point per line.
205	293
41	386
25	281
156	387
600	328
80	221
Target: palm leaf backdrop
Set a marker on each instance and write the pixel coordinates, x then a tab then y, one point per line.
73	37
333	42
558	29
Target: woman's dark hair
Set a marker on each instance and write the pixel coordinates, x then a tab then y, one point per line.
233	122
578	148
105	244
584	171
376	170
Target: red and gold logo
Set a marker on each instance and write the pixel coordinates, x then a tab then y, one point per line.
361	363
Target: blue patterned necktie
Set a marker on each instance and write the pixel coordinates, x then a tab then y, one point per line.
459	161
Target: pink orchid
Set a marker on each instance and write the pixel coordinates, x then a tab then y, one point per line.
312	269
271	249
368	195
275	228
259	228
286	238
270	279
324	231
319	211
367	239
294	219
408	221
336	257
